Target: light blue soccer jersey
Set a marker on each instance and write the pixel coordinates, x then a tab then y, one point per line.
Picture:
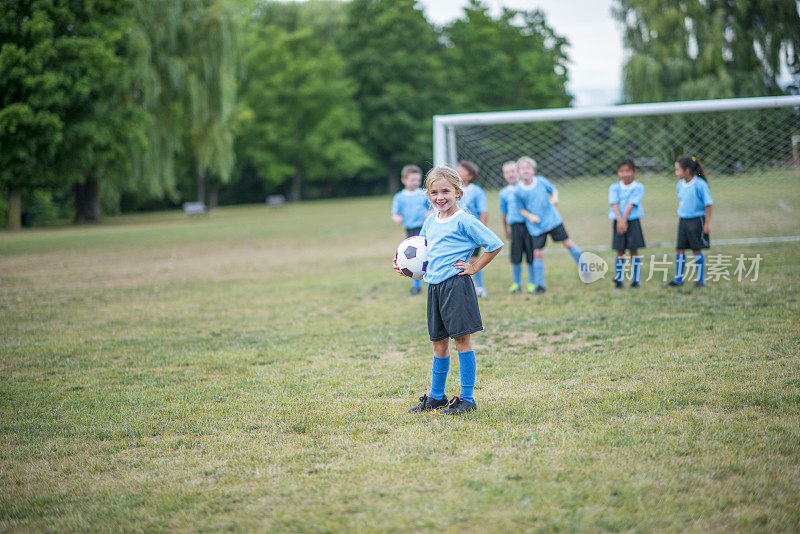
453	239
619	193
412	206
474	201
509	206
693	197
535	198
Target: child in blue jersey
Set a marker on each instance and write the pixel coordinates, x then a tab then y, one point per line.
515	229
410	207
625	198
537	198
453	311
474	203
694	210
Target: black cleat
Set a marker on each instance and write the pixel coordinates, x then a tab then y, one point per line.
427	404
673	283
459	406
699	285
618	284
635	284
538	291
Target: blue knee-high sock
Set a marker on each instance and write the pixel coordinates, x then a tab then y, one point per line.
516	273
531	274
439	376
619	265
466	366
538	272
478	278
700	262
637	268
680	263
416	284
576	254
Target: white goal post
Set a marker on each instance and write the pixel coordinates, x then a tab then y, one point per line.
749	147
455	135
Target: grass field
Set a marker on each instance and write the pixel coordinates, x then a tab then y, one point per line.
251	370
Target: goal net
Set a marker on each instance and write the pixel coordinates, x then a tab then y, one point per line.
750	148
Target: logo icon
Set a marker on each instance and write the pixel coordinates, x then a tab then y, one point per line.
591	267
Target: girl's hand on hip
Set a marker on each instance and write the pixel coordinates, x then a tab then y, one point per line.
466	268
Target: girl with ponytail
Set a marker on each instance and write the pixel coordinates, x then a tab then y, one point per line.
694	210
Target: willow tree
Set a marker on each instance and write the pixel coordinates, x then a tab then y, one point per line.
692	49
193	66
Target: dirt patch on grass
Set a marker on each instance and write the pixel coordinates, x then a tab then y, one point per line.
546	343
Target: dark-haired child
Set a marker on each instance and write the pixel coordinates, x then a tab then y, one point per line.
694	209
625	199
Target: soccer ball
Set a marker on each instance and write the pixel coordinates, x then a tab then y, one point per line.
412	257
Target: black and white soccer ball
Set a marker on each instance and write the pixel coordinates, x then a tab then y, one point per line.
412	257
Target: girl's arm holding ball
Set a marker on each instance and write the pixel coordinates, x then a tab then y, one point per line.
396	268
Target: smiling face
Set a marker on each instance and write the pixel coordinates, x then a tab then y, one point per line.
683	174
526	172
626	173
443	195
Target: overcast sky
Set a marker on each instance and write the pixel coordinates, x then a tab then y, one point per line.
595	38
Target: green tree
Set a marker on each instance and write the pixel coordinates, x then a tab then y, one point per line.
190	89
68	114
393	54
29	131
298	118
695	49
515	61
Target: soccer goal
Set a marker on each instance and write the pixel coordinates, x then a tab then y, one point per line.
750	148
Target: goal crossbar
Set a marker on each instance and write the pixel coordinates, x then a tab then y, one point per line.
444	140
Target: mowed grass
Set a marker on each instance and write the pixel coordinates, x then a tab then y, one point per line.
251	370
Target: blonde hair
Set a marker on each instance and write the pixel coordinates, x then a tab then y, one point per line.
445	173
529	161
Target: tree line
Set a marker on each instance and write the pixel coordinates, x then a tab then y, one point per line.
125	105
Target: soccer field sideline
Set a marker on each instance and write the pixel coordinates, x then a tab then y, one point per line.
719	242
